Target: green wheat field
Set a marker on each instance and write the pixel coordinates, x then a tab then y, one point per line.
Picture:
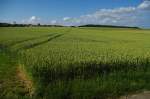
73	62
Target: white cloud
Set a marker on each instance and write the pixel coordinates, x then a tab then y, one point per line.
34	20
129	16
66	18
31	20
145	5
121	10
53	22
118	16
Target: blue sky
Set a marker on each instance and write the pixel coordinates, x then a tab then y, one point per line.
76	12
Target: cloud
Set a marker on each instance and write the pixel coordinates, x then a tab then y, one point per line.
121	10
145	5
53	22
128	16
31	20
66	18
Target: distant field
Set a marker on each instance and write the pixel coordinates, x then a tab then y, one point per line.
78	63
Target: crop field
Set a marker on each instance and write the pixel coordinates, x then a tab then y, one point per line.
75	62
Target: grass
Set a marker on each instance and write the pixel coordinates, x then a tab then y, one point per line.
10	86
81	63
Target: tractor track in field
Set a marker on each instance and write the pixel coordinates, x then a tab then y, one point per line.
142	95
40	43
25	81
14	81
29	39
20	83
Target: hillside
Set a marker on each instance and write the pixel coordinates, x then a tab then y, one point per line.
109	26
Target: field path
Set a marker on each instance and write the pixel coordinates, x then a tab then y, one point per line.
29	39
42	42
13	82
144	95
24	80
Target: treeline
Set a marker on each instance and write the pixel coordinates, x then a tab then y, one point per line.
111	26
26	25
39	25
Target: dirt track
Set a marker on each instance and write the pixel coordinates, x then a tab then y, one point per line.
144	95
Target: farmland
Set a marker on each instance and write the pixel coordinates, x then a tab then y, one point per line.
76	62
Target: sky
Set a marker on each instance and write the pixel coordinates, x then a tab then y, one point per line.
77	12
